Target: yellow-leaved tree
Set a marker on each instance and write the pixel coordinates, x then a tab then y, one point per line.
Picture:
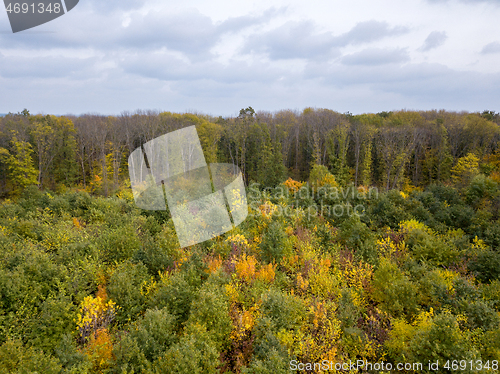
466	168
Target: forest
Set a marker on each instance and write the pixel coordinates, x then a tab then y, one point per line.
370	238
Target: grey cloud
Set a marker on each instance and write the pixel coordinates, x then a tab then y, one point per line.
301	40
369	31
431	85
114	5
235	24
376	56
170	68
493	47
189	32
434	40
45	67
293	40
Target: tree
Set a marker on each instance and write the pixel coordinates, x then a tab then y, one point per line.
465	169
20	163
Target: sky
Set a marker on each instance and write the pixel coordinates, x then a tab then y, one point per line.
216	57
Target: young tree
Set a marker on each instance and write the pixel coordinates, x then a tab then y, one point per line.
20	163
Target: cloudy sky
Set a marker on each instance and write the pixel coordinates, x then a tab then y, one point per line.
216	57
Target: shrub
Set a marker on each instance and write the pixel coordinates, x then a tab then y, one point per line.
119	244
442	341
155	332
394	291
175	294
14	358
195	353
210	308
486	266
124	288
274	243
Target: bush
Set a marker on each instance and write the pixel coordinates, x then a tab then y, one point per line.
284	311
176	294
394	291
14	358
431	249
124	288
195	353
442	341
356	235
210	309
155	332
119	244
274	243
485	266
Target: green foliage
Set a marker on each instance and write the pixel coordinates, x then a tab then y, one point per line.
210	309
274	243
195	353
486	266
17	359
125	288
119	244
356	235
154	333
431	249
22	172
394	290
442	341
176	295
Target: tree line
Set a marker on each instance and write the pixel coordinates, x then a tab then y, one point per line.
386	149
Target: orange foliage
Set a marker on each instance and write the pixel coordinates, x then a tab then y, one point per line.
293	185
213	264
267	273
76	223
245	267
100	350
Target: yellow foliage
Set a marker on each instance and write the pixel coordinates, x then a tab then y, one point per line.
387	247
267	209
76	223
214	264
245	267
95	313
479	244
323	283
148	287
402	331
239	240
293	185
302	283
317	340
232	292
465	168
243	323
406	227
449	278
267	273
